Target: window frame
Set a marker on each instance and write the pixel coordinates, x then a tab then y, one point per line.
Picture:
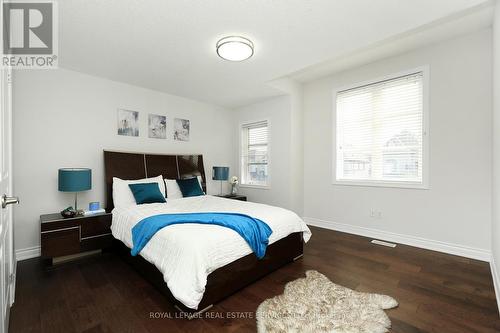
425	184
240	155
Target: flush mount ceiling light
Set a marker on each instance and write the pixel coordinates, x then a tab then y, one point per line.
235	48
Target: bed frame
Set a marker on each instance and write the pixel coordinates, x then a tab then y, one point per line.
222	282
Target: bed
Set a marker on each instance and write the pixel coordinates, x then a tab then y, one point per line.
196	265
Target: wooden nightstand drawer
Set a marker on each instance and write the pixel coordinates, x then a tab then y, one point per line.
233	197
58	225
96	226
62	242
239	197
97	242
62	237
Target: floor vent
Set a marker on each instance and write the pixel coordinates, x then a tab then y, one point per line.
379	242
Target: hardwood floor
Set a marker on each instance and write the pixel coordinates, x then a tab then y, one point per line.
436	292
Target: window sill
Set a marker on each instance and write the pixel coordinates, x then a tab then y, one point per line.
403	185
261	187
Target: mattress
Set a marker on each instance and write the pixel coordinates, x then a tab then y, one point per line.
187	253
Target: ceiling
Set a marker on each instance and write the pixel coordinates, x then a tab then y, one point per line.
169	45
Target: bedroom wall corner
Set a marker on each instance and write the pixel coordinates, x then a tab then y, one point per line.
73	117
285	113
297	148
277	111
457	207
495	232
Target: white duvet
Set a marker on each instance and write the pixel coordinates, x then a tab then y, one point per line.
187	253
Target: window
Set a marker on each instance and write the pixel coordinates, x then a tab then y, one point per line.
255	154
380	133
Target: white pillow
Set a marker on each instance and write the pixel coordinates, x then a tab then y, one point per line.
199	181
173	189
122	195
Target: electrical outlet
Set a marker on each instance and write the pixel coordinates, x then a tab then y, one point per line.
376	214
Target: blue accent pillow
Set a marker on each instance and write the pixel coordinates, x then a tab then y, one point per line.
190	187
147	193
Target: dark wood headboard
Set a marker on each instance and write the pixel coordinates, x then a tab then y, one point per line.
143	165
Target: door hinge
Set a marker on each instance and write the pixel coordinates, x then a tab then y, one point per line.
12	278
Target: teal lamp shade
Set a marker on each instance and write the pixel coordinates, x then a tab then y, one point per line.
220	173
75	179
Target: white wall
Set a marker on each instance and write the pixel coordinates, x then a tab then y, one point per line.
278	112
495	234
457	207
296	165
65	119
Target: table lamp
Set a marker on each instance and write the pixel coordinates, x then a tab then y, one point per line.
220	173
75	180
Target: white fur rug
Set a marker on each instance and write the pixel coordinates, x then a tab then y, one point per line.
315	304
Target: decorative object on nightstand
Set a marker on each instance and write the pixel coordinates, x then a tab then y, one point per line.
234	185
220	173
93	206
74	180
65	238
68	212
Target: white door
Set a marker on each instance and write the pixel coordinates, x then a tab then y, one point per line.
7	263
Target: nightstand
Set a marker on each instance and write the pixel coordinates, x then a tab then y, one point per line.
234	197
61	237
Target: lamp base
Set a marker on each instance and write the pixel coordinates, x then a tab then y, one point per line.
72	212
79	212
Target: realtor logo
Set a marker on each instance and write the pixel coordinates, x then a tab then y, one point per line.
29	34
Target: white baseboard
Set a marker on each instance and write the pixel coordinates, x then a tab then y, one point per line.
28	253
496	280
429	244
460	250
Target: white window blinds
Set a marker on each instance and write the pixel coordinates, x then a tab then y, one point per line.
255	154
380	132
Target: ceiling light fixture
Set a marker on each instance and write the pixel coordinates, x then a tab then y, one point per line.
234	48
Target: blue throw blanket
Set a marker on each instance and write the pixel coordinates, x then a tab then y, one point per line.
255	232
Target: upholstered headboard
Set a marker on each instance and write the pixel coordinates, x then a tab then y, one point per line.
143	165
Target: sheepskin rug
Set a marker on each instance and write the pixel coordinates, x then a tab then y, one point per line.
315	304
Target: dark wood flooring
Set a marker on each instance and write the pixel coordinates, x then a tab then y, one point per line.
436	292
